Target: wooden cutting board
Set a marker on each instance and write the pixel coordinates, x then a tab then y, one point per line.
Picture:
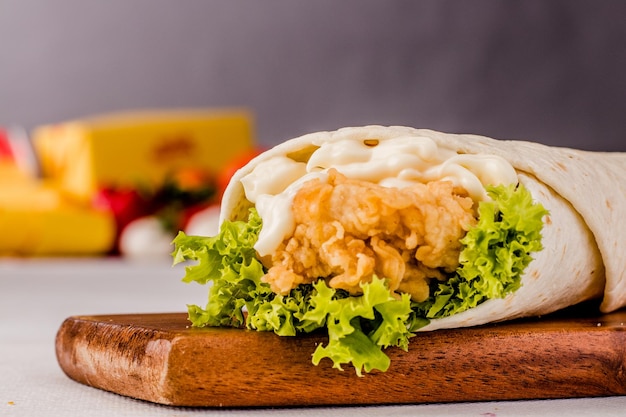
159	358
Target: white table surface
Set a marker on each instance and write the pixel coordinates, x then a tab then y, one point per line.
37	295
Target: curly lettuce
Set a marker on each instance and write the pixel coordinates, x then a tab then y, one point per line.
495	253
359	328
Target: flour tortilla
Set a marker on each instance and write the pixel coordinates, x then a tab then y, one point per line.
583	236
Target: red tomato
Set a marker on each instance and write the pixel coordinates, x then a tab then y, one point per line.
126	204
232	166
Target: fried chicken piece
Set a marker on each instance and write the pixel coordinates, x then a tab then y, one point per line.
348	230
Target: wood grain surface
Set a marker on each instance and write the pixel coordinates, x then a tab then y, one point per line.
159	358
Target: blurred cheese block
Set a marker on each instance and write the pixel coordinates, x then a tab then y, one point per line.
36	219
139	148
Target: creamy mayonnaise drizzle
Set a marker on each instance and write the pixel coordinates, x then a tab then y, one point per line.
397	162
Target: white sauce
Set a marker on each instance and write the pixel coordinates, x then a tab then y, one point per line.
396	162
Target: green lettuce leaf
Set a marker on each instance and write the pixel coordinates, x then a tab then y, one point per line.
360	327
496	252
229	261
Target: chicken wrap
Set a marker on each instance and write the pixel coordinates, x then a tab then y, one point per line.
376	233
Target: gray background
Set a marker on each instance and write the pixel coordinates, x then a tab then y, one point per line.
548	71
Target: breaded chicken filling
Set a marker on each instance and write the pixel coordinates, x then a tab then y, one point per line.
348	230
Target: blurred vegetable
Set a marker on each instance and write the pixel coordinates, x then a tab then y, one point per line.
126	204
188	199
145	237
182	193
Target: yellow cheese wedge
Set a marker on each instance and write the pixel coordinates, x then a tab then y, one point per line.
37	220
139	148
64	231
